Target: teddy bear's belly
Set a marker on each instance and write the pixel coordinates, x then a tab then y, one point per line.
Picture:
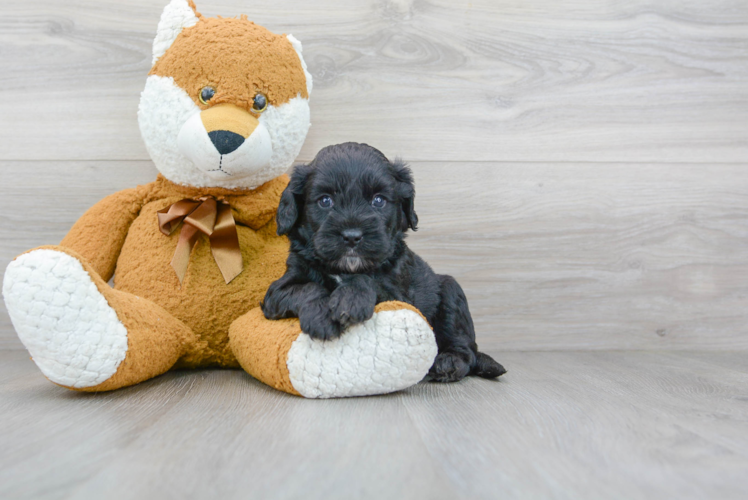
204	302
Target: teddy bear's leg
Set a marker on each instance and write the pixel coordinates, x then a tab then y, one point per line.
392	351
80	332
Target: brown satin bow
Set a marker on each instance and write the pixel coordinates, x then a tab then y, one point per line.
212	218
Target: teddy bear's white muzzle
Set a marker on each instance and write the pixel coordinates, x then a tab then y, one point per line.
223	154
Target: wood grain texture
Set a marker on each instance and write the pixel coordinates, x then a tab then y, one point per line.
581	170
592	256
589	256
574	425
480	80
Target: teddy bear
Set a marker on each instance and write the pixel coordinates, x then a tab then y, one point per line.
224	114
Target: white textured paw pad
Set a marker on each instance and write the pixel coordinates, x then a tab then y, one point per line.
390	352
72	333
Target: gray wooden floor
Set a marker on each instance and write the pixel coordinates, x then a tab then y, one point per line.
564	425
582	170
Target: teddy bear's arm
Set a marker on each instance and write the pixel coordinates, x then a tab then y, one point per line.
100	233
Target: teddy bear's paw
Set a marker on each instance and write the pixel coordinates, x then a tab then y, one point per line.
72	333
390	352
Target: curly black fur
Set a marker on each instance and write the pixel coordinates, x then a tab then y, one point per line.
346	215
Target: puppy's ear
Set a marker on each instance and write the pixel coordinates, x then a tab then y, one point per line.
292	199
406	191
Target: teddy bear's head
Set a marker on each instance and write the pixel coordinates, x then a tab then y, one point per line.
226	103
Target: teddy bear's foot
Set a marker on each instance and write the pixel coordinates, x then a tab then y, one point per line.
390	352
73	335
80	332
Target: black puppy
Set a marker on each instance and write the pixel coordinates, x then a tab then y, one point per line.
346	215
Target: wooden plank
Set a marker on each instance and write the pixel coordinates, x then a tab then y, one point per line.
559	425
736	360
256	443
589	256
630	377
479	80
206	434
590	425
592	256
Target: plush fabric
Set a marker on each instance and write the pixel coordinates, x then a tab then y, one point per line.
238	59
88	336
269	64
205	303
57	305
263	347
179	14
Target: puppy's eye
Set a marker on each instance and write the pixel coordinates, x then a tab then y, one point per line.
260	103
325	202
206	94
378	202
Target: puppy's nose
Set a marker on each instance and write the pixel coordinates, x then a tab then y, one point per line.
352	237
226	142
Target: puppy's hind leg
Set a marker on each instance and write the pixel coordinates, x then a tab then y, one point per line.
455	336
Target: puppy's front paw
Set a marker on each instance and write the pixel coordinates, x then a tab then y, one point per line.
449	367
318	324
351	306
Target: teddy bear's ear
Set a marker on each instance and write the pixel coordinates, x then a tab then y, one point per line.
299	50
178	15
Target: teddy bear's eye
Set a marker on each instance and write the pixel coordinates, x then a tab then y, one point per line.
206	94
260	103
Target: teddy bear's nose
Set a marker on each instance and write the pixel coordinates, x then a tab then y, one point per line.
226	142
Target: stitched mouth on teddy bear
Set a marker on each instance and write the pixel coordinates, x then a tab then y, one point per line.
220	168
222	153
